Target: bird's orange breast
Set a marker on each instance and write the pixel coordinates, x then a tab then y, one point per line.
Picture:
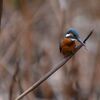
67	46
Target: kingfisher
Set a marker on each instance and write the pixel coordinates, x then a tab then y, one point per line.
70	42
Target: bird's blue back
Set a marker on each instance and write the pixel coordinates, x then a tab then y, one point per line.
74	31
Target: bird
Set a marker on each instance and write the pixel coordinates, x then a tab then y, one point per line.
70	42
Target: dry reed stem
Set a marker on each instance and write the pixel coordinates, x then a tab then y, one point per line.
59	65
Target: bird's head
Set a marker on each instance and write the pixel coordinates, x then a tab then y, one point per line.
74	35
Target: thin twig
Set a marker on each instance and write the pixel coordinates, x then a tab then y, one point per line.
88	36
59	65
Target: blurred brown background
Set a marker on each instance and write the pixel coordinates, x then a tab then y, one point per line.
29	47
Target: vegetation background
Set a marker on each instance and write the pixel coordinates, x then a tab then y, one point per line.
30	32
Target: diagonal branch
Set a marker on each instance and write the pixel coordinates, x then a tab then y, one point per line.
88	36
59	65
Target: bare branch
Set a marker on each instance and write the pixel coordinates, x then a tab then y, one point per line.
59	65
88	36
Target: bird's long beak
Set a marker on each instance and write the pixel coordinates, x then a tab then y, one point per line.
80	41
